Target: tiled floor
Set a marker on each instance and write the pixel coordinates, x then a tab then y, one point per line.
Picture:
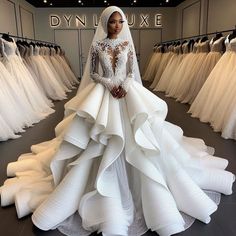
223	221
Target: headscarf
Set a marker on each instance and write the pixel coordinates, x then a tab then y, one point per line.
101	33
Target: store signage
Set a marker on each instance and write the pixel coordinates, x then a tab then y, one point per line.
81	21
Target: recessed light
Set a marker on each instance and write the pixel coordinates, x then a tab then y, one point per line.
167	0
135	1
105	1
45	1
79	1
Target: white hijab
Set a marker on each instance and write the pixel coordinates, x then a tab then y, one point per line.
101	33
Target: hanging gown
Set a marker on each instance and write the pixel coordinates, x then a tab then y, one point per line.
153	65
164	60
181	70
33	103
49	83
189	77
60	69
70	74
169	71
207	66
46	57
116	166
214	89
10	97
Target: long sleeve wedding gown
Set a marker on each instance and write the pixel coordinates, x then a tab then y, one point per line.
116	166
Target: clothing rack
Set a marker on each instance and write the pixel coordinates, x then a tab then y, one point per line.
199	35
25	38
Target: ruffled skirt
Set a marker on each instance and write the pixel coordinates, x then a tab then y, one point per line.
117	167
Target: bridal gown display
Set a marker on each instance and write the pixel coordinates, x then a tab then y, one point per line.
170	69
207	65
51	86
150	72
14	64
162	65
188	54
214	89
73	80
189	77
45	51
116	166
153	67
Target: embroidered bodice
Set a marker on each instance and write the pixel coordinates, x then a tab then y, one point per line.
203	47
116	59
8	48
230	44
217	46
185	49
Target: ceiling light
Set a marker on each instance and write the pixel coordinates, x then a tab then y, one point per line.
135	1
105	1
82	4
51	4
45	1
79	1
167	0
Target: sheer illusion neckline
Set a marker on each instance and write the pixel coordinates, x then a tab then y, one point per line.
113	51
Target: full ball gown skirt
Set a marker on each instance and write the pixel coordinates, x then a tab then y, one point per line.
169	71
51	86
117	159
215	87
164	60
70	75
183	89
155	66
25	81
152	66
207	66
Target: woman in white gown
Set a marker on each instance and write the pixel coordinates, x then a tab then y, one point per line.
116	166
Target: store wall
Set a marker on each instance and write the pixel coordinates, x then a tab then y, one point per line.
17	17
191	18
195	17
221	15
49	21
45	32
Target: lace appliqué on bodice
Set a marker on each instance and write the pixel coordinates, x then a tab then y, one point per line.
115	56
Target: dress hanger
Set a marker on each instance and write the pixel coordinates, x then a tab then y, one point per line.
232	35
7	37
217	36
204	39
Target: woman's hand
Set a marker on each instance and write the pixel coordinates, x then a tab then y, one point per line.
118	92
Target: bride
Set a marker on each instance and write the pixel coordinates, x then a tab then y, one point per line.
116	166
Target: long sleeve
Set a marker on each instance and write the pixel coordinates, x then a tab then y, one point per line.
107	82
130	69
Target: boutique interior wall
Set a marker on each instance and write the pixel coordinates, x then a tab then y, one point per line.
195	17
192	17
17	17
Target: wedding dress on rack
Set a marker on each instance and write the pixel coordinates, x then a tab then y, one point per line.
161	67
24	85
215	87
116	166
153	65
170	69
216	51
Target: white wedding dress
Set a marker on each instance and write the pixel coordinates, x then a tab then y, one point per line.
116	166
